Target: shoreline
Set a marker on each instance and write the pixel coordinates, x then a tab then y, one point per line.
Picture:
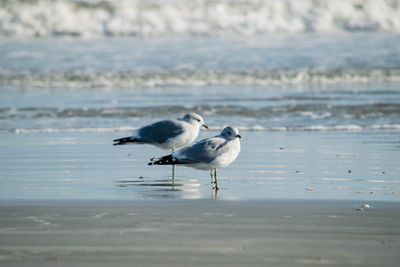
199	232
103	201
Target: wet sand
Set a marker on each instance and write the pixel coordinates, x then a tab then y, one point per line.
282	165
199	233
72	199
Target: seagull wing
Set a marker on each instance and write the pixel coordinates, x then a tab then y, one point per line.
202	152
160	132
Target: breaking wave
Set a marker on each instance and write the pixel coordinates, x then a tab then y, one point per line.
50	18
111	80
303	116
305	109
345	128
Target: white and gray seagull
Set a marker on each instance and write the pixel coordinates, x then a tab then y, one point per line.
167	134
208	154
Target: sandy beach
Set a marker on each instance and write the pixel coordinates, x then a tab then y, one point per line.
199	233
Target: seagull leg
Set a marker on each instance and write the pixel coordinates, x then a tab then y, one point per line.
215	179
214	194
173	168
212	178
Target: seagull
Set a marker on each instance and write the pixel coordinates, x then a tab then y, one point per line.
208	154
167	134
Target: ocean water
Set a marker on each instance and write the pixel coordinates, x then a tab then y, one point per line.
313	86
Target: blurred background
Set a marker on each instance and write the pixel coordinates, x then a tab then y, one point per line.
274	64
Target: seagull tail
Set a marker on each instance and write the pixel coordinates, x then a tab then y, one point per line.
125	140
165	160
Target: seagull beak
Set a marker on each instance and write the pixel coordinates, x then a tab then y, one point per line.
205	126
239	136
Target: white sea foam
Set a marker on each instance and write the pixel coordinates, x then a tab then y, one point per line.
258	77
199	17
73	130
344	128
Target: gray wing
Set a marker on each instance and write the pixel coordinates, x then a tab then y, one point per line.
204	151
161	131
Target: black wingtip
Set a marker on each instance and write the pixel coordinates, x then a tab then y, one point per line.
166	160
123	141
118	142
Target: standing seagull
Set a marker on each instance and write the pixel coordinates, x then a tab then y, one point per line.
167	134
208	154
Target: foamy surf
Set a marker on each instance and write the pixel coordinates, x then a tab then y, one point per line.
249	77
259	108
314	128
154	18
72	130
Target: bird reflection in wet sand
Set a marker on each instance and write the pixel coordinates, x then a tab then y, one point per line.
165	184
162	188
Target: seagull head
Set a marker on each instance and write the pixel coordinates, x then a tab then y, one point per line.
230	133
195	119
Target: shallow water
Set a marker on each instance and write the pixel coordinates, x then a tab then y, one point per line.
283	165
